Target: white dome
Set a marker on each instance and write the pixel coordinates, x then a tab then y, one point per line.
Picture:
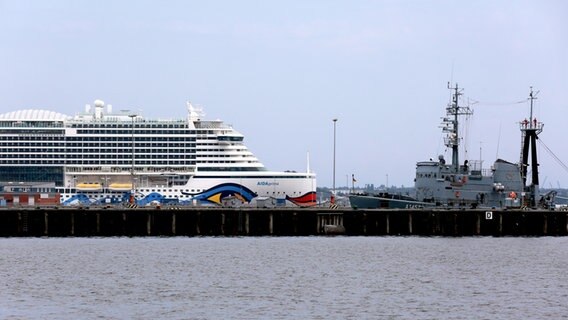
33	115
99	103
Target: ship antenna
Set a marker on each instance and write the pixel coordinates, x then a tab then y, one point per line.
308	163
455	152
532	97
453	111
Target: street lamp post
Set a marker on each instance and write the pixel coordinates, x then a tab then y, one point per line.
334	134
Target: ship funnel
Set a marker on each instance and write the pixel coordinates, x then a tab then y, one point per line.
194	113
99	105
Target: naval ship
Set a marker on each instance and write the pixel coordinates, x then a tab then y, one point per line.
439	183
101	156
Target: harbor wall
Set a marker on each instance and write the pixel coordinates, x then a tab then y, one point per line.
138	222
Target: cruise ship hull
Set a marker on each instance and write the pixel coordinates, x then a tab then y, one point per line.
268	190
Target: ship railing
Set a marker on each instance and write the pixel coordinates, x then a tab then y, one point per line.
128	170
474	168
531	125
31	124
481	173
212	125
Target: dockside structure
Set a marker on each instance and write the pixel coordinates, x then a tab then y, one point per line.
174	221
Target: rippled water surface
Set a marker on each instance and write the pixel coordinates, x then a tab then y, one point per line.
284	278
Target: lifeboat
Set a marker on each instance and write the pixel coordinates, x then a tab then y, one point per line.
89	186
120	186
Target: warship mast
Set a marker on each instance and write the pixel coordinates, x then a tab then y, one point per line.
529	131
450	125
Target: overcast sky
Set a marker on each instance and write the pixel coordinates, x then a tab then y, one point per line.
280	71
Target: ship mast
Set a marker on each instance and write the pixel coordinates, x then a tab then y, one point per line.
529	131
450	125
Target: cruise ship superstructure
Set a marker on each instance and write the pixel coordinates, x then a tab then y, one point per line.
105	157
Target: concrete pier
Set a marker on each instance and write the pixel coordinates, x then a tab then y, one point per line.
140	222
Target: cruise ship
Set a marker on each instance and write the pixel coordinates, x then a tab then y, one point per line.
101	157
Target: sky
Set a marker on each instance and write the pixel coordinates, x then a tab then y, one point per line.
281	71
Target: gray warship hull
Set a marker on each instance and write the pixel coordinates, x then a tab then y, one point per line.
386	201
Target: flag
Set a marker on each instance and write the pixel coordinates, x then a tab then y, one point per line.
353	177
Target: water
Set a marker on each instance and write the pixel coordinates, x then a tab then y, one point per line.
284	278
